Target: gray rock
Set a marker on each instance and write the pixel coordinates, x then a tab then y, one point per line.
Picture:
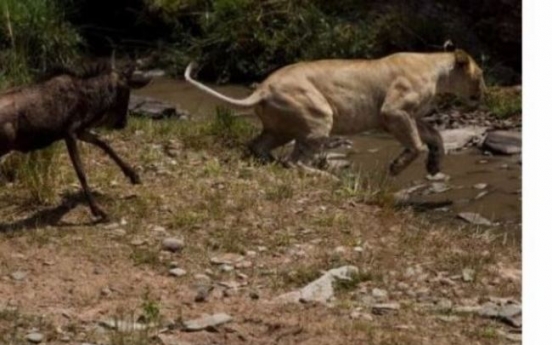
467	309
448	318
404	194
456	139
34	337
18	275
177	272
227	259
171	339
481	194
206	322
444	304
173	244
438	187
385	308
226	268
508	313
320	290
154	108
511	315
480	185
474	218
203	292
467	274
124	326
379	294
338	164
503	142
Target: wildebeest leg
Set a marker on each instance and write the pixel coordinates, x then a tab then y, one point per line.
262	145
432	138
77	164
127	170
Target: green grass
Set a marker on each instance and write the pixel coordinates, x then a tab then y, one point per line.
37	172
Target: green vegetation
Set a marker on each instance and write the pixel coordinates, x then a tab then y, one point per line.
503	102
37	172
33	37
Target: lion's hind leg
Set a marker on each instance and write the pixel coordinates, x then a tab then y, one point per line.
262	145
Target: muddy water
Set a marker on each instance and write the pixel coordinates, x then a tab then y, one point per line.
372	153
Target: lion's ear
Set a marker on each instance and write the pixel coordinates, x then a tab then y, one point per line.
448	46
462	58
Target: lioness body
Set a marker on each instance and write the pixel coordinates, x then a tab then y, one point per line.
308	101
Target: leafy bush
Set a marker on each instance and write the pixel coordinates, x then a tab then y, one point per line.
33	37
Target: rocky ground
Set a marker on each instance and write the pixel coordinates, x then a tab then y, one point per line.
213	249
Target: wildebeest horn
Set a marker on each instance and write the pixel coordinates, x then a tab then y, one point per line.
448	46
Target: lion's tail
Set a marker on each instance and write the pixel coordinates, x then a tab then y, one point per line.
248	102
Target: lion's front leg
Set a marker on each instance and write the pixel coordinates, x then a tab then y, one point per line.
397	118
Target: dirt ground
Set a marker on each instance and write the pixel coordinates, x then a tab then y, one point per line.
63	276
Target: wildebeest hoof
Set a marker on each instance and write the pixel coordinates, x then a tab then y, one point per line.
100	214
135	178
394	169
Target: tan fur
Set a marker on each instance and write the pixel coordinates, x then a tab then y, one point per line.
309	101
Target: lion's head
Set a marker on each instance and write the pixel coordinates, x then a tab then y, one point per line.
466	78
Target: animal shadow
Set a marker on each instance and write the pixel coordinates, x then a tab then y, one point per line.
50	216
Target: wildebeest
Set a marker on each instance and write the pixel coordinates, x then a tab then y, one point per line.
66	105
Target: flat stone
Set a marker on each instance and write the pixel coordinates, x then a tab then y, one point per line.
206	322
154	108
227	259
467	309
177	272
503	142
124	326
438	187
444	304
18	275
203	292
226	268
379	294
474	218
385	308
244	264
481	194
34	337
321	290
480	185
448	318
467	274
173	244
170	339
456	139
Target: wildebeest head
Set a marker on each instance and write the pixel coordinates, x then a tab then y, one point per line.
122	80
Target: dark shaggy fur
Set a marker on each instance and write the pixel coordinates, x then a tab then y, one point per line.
65	105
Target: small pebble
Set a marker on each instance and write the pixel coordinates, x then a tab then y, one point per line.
173	244
34	338
177	272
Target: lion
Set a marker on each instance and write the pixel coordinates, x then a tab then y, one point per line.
310	101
